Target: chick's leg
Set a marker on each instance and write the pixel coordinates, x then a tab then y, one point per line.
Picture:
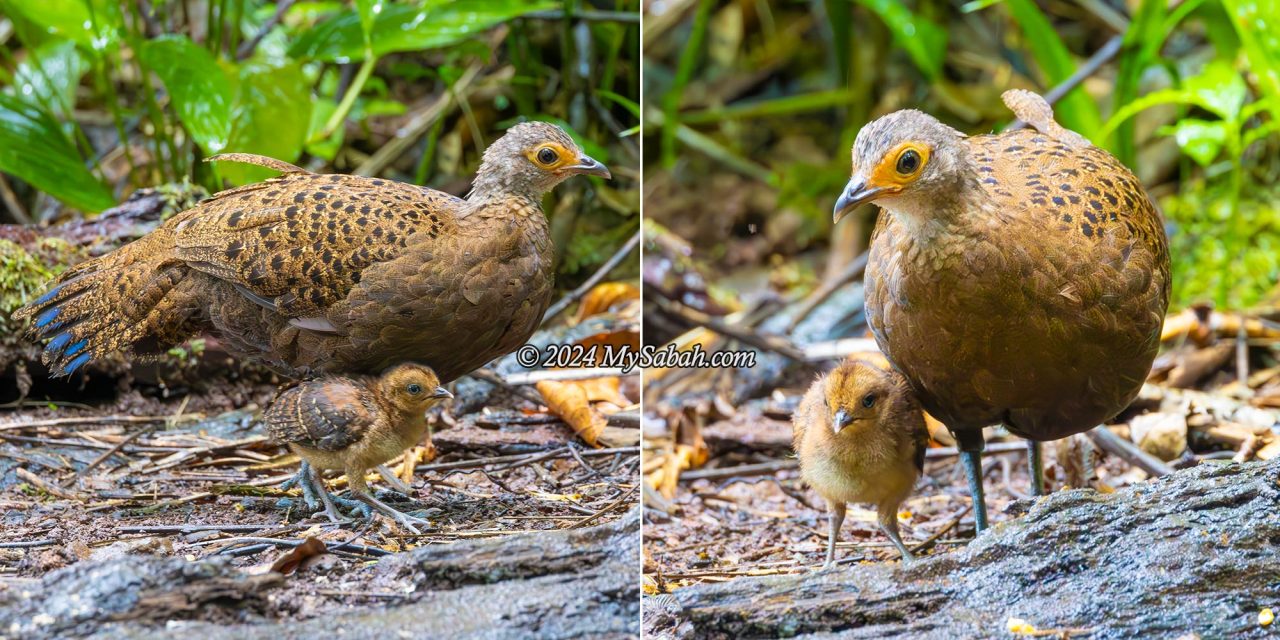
360	491
888	517
835	518
302	480
1035	460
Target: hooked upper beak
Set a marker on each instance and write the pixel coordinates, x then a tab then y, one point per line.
855	193
841	420
441	393
589	166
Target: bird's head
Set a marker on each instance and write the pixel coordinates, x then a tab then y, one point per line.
530	159
412	387
906	156
859	394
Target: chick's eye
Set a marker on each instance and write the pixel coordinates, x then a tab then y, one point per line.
415	389
547	155
908	162
868	400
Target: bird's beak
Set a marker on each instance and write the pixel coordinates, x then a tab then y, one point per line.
441	393
589	166
855	193
841	420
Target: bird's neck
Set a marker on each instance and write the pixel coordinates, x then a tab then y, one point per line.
930	217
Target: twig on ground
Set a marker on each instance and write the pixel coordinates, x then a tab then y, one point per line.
595	278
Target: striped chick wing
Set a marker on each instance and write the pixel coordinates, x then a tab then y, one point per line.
328	415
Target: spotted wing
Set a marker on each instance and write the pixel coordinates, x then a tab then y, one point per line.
298	243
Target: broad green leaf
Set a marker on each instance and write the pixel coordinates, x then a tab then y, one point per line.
199	90
92	24
1202	140
923	40
34	148
270	117
369	10
1076	110
402	27
49	76
1219	88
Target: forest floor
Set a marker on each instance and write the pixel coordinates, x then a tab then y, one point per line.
196	477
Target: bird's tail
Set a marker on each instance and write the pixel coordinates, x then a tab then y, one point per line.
119	302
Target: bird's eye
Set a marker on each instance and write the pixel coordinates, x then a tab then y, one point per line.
547	155
869	400
415	389
908	162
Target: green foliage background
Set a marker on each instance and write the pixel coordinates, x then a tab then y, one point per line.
774	93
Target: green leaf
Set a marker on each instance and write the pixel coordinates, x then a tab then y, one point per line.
49	76
1163	96
34	148
623	101
1218	88
1201	139
1076	110
271	115
94	25
199	90
326	148
401	27
924	41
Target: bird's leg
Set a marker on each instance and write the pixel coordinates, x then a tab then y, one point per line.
1035	460
888	517
973	471
360	491
302	479
314	485
835	518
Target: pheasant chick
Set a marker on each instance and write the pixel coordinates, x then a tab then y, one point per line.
353	424
861	437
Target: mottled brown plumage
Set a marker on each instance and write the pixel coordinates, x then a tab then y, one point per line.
1018	278
860	437
353	424
332	273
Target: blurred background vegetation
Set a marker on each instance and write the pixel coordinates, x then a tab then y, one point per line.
100	98
752	106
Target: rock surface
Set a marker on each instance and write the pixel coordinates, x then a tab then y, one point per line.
561	584
1197	551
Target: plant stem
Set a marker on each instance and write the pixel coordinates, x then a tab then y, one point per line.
684	71
349	98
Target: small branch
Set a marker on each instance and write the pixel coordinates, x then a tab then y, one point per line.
248	46
595	278
776	344
110	452
1127	451
339	116
852	271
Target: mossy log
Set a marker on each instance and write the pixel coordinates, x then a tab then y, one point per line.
1196	552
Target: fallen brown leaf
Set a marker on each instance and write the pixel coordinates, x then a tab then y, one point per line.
289	562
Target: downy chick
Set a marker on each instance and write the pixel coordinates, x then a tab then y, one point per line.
354	424
861	437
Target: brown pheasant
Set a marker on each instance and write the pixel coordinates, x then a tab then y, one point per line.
1018	278
353	425
331	273
860	437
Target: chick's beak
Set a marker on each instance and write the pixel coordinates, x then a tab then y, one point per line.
589	166
441	393
841	420
855	193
